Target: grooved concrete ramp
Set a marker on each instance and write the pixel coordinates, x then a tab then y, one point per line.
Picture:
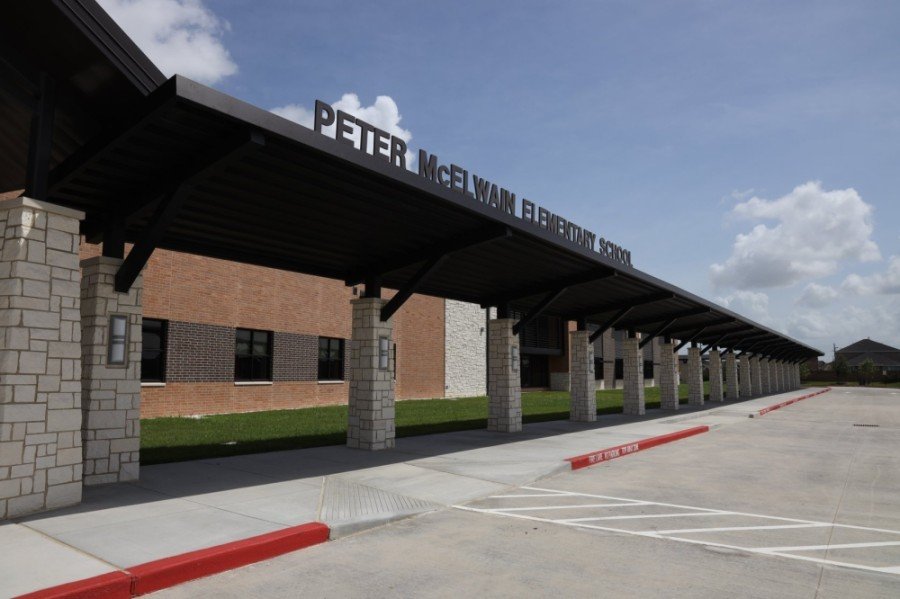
348	507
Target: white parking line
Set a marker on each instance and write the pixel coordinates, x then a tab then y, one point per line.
837	546
695	508
738	528
527	495
642	516
564	507
796	523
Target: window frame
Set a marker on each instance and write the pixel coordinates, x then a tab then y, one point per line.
163	349
268	378
327	376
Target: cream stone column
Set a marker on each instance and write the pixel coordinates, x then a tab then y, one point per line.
371	416
40	358
582	387
656	351
773	379
695	377
633	376
609	359
796	370
745	376
111	381
765	384
504	379
715	376
732	389
782	376
668	387
755	376
777	375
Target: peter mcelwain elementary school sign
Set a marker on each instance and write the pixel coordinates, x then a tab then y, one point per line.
381	144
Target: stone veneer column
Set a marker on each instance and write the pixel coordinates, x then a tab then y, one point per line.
765	384
755	377
745	376
40	358
110	394
668	387
370	421
609	359
776	374
782	375
504	379
695	377
732	389
582	387
633	376
773	378
715	376
796	370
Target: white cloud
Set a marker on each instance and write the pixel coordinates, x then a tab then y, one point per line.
845	324
753	303
179	36
817	296
383	114
879	283
809	233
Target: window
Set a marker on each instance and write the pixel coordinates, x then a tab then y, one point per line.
153	353
118	337
253	355
331	359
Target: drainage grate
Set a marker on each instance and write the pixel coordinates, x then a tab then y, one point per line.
872	425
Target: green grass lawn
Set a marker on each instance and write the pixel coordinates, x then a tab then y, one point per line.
178	439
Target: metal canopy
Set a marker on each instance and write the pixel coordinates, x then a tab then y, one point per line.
167	164
301	201
99	74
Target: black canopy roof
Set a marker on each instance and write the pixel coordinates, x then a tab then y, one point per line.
99	73
254	187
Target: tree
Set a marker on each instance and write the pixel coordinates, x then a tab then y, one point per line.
866	371
840	369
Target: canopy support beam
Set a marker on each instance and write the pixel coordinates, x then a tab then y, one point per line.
167	210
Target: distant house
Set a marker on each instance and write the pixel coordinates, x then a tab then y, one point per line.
885	357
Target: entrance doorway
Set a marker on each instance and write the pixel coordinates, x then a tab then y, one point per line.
535	371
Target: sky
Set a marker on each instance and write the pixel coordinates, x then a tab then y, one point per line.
745	151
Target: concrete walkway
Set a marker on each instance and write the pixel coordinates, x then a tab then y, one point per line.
187	506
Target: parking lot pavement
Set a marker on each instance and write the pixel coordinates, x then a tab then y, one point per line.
800	503
793	538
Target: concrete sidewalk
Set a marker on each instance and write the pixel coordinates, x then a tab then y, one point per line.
176	508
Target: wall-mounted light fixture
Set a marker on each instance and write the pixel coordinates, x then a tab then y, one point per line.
118	339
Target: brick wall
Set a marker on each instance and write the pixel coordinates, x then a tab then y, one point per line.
205	299
296	357
199	352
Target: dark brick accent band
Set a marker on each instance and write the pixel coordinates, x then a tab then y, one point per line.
204	353
199	353
295	357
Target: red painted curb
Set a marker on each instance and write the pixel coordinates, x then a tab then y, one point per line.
115	585
611	453
171	571
765	411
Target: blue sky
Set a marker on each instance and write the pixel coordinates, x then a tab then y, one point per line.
670	127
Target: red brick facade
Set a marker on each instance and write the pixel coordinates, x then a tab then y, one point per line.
188	289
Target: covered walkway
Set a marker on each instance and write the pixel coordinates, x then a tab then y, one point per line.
105	147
